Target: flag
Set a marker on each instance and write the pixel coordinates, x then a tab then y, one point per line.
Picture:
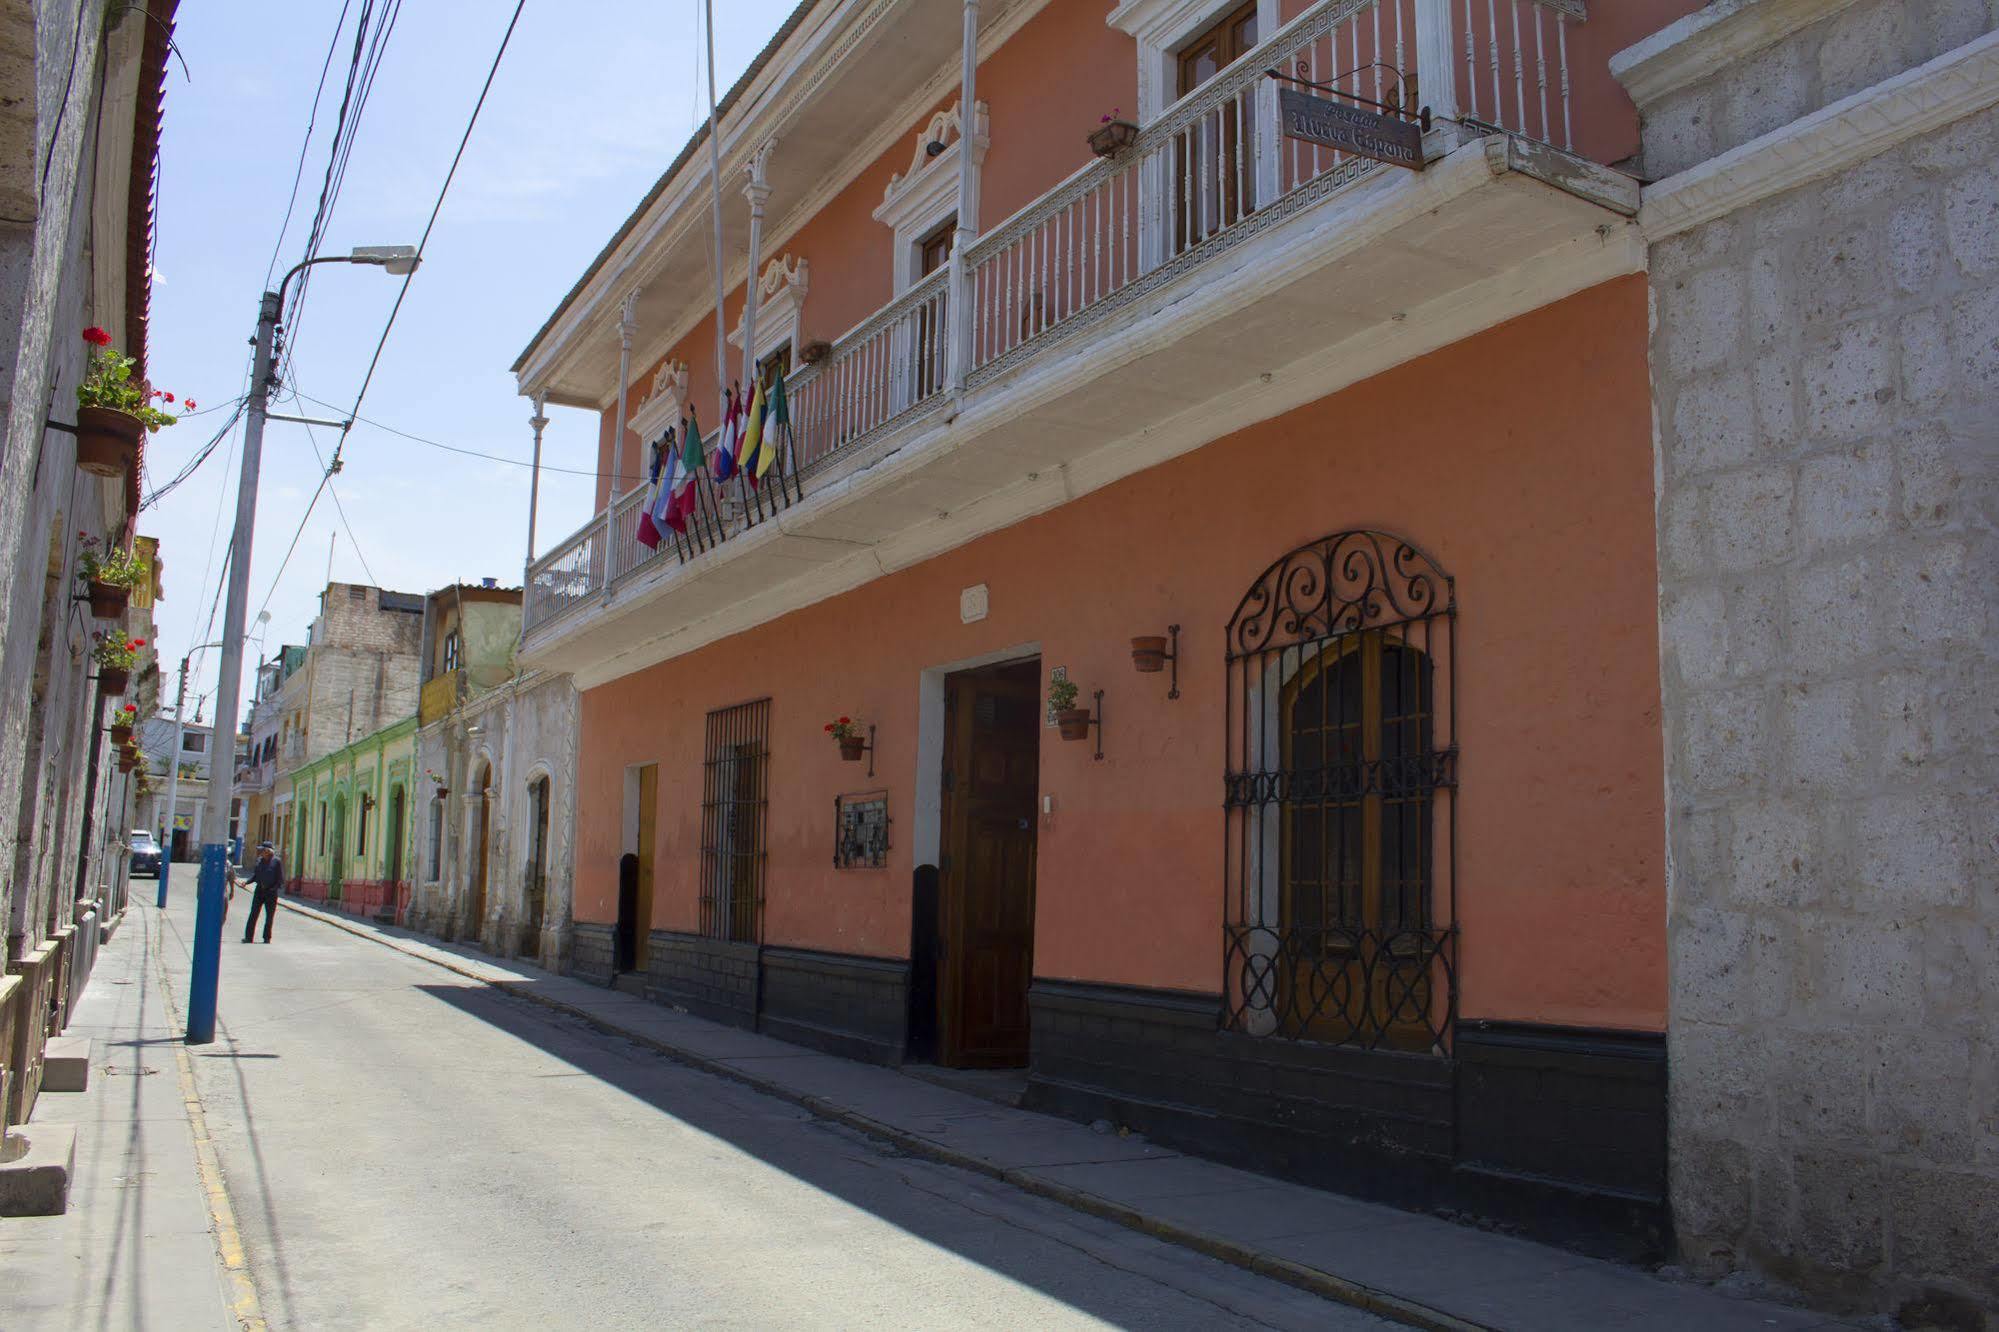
648	532
725	449
691	459
778	424
663	474
752	436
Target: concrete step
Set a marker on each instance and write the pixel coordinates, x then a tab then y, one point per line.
36	1162
66	1064
630	982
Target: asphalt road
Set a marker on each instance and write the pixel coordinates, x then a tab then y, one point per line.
404	1147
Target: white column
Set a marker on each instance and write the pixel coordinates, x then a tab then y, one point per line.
537	421
756	189
1436	61
959	300
625	325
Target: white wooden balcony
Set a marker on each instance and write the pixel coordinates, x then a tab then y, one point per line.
1213	274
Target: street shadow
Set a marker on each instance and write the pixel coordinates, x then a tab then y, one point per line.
942	1216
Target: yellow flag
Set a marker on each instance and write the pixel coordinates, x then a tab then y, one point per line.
752	429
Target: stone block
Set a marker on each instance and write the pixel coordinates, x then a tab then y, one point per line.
1962	145
1788	213
1755	625
36	1162
1902	722
1940	600
1749	517
1863	970
1943	1221
1971	221
1841	1210
1776	854
1832	618
1974	339
1918	1104
1679	132
1915	246
1845	499
1720	1084
1849	382
1861	47
1682	530
1842	272
1711	1182
1728	967
1914	848
1764	94
1818	1082
1695	630
1926	362
1714	424
1703	320
1775	388
1932	464
1772	316
1727	737
66	1064
1865	184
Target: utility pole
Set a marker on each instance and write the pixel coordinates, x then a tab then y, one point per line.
397	259
173	778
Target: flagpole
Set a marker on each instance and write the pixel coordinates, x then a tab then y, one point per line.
715	199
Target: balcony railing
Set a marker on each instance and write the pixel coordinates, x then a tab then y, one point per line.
440	694
1209	172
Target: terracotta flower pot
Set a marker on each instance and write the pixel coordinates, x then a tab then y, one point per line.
1148	652
120	734
442	792
107	441
1073	723
126	763
113	679
852	747
1113	137
108	600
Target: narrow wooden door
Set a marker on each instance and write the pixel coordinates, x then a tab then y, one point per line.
479	856
991	789
648	817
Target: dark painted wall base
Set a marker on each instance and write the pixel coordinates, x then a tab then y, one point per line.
1552	1132
845	1005
710	978
590	951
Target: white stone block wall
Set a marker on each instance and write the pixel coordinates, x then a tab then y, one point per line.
1826	368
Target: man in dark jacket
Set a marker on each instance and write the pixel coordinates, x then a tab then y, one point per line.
266	876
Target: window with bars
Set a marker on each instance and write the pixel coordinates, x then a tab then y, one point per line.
735	789
1340	798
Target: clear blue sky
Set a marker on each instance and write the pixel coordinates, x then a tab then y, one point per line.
591	103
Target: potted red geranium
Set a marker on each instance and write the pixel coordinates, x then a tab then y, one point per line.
122	722
109	573
113	410
114	654
853	743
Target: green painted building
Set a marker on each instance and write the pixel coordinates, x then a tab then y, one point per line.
351	834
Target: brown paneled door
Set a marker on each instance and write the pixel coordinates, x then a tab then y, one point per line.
991	788
1213	170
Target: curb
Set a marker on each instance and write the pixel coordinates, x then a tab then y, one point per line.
1322	1283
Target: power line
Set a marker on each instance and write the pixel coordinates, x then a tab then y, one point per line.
305	146
338	507
454	448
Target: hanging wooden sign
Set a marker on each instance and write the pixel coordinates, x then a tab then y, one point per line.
1351	129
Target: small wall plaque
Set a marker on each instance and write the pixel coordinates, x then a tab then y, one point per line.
973	603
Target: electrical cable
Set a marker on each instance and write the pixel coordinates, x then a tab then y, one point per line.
305	147
453	448
339	508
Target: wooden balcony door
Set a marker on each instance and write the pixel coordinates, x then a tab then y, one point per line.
1214	171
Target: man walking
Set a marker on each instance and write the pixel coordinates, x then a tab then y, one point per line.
266	877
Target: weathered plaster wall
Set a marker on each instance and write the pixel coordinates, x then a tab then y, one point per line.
1827	373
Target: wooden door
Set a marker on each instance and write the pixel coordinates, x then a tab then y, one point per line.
991	769
1213	175
648	817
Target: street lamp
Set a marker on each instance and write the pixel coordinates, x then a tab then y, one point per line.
400	260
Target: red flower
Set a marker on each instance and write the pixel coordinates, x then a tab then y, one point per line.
829	727
137	643
189	404
96	336
168	396
846	721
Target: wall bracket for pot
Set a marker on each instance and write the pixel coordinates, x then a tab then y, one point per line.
1097	720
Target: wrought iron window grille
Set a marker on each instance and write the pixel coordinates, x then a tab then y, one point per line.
1340	798
861	830
735	793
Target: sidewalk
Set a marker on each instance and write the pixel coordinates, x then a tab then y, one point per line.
137	1247
1416	1269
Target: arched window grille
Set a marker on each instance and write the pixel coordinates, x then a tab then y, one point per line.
1340	798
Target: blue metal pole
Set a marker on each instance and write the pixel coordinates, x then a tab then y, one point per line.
166	864
207	946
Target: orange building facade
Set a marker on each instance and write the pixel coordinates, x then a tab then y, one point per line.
1327	483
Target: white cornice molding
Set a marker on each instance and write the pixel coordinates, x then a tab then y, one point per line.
674	215
1954	85
780	306
663	405
1707	41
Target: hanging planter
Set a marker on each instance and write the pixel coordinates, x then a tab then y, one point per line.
108	600
1073	723
115	655
113	410
120	733
113	679
107	441
1112	135
127	762
847	734
109	574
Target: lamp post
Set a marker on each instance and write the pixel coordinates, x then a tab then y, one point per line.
396	259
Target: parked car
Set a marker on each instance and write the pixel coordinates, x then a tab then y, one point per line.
145	853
